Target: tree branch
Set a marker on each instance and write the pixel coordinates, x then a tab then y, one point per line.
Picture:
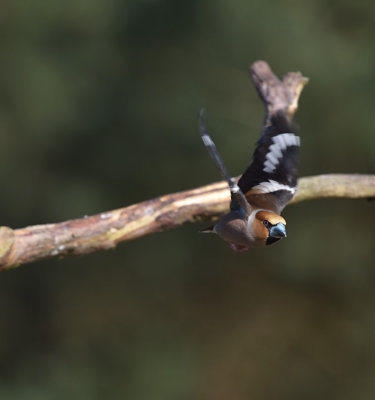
104	231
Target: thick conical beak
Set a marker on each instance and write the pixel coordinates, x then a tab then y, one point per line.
278	231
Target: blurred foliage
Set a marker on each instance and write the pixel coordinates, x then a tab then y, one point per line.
98	110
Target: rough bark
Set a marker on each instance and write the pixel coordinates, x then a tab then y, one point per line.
104	231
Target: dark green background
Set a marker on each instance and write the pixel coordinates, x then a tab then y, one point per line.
98	110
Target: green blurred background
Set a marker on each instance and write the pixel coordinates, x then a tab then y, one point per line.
98	110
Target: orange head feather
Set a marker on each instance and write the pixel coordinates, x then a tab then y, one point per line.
262	218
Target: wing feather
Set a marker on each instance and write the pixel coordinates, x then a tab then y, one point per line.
271	179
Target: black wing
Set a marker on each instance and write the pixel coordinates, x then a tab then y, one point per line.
270	181
238	202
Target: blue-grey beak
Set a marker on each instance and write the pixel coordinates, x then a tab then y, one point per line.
278	231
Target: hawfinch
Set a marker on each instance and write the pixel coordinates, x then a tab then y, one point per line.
264	189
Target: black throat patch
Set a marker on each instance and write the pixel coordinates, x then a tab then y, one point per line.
271	240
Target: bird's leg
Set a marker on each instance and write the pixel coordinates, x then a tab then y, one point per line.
238	247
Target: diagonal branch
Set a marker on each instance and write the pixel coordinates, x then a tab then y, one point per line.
104	231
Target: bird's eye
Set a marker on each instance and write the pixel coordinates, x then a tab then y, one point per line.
266	223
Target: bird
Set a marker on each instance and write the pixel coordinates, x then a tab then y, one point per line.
268	184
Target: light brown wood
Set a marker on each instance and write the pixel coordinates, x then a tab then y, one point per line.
105	230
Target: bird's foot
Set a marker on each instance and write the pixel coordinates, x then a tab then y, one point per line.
238	247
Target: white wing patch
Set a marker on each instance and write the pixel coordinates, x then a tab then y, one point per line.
235	188
207	140
280	143
272	186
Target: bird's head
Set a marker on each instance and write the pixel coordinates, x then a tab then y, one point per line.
269	227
